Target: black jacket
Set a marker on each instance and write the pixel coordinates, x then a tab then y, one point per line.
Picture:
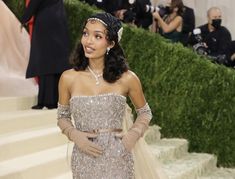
143	19
50	40
106	5
217	41
188	24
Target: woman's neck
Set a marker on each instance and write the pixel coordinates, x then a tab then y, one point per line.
97	65
210	27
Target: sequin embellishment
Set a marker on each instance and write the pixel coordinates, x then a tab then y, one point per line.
101	112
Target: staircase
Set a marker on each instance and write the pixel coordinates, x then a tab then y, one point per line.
31	147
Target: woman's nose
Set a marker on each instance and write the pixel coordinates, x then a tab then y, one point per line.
89	39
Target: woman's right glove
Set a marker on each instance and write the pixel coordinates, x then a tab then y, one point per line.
81	139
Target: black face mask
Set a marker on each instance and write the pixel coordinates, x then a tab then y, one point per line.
216	23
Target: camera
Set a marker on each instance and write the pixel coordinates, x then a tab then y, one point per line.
151	9
220	59
129	16
162	10
200	46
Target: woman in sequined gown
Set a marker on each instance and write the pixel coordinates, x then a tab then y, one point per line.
94	95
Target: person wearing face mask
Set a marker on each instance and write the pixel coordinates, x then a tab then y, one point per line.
215	36
170	25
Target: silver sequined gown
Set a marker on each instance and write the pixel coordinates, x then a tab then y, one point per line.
101	112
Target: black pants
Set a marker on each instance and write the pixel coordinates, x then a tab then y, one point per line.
48	90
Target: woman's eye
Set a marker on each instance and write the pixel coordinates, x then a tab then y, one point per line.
98	37
84	33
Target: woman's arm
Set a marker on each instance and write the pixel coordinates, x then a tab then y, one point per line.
135	91
64	119
143	110
173	25
64	88
63	111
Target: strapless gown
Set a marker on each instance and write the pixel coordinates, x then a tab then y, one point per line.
101	112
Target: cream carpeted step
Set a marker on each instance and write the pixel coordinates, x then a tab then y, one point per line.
41	165
26	119
52	164
153	134
17	103
190	166
220	173
29	141
67	175
169	149
32	147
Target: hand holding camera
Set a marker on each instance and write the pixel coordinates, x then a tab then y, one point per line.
156	15
200	47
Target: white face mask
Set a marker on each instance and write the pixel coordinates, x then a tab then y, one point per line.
99	0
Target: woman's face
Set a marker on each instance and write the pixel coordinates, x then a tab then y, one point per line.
94	40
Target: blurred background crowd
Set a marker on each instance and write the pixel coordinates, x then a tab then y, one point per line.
177	22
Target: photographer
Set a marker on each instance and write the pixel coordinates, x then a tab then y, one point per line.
188	24
170	25
143	19
135	11
216	38
129	11
231	55
105	5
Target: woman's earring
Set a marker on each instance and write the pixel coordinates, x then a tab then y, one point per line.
107	52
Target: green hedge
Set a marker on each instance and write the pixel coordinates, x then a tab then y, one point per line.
190	97
17	6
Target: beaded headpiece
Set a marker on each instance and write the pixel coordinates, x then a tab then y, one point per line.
110	22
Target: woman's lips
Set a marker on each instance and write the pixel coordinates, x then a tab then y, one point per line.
89	49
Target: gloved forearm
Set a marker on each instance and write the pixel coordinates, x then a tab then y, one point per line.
81	139
138	129
64	120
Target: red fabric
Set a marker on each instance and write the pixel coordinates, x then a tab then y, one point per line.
30	24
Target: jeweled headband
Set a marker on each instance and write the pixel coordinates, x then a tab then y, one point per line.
96	19
109	21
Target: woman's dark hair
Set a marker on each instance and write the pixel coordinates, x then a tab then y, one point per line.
179	4
114	62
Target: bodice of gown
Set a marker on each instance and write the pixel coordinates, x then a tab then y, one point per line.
103	111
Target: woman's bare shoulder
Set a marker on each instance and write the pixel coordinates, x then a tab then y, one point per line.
130	77
179	18
68	73
68	76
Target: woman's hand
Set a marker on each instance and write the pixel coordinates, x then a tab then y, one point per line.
129	140
81	139
156	15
